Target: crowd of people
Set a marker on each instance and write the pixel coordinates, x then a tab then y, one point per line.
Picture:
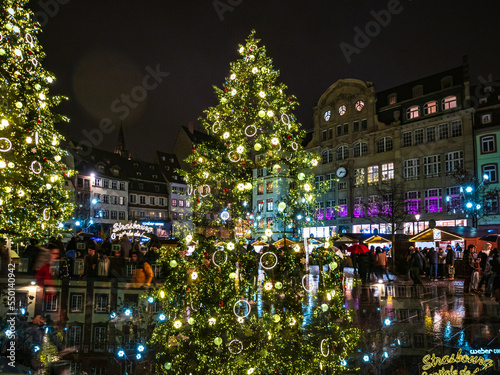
372	266
107	259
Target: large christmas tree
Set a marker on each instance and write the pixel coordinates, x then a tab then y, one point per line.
228	309
32	172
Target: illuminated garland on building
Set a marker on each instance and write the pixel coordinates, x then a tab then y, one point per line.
33	200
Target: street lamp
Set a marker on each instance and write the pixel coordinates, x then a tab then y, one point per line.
417	217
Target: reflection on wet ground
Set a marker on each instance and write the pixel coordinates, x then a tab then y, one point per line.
402	323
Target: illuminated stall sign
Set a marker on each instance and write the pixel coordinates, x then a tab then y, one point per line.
159	228
455	364
131	230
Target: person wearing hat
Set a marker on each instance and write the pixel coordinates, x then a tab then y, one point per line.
91	261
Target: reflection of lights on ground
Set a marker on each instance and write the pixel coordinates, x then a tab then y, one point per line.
447	332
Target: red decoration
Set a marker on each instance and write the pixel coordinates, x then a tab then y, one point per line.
221	303
225	89
194	163
244	164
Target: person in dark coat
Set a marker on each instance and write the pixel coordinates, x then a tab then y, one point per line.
433	256
450	261
117	265
30	253
417	265
363	266
470	265
91	263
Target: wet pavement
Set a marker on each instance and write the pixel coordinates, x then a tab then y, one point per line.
402	323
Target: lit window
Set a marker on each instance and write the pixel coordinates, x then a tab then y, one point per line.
269	187
490	204
449	102
373	174
51	301
433	200
317	181
488	144
410	170
453	199
412	202
360	149
342	152
392	99
319	211
101	303
359	177
486	119
387	204
387	171
342	208
430	107
269	222
260	189
359	105
413	112
490	170
384	144
373	205
181	203
260	206
174	202
432	165
358	207
330	179
330	210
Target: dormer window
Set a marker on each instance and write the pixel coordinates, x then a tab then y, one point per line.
449	102
446	82
430	107
418	91
392	99
413	112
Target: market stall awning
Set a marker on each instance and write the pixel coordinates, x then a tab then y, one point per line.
435	234
346	239
377	239
259	243
284	242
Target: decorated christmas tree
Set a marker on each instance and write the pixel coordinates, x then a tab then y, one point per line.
32	172
230	307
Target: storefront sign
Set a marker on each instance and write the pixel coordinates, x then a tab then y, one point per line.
437	234
131	230
455	364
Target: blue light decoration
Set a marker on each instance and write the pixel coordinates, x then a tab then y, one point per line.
36	348
478	206
121	353
94	201
387	322
448	198
468	189
299	217
128	312
91	221
141	348
162	317
151	299
138	356
385	355
23	311
486	177
60	225
366	358
112	315
77	223
8	333
343	362
469	205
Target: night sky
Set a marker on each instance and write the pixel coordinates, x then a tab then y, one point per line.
101	49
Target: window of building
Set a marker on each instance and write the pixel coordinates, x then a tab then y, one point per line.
486	119
152	214
105	214
384	144
342	207
105	184
483	100
174	215
133	198
346	128
490	204
97	213
413	112
364	125
372	205
327	156
122	185
387	171
260	206
323	135
373	174
358	207
269	187
387	204
76	303
121	215
412	202
418	136
453	161
269	205
97	182
142	214
188	204
433	200
359	177
339	130
443	131
181	216
105	199
74	336
86	184
114	215
161	201
490	170
456	128
319	212
142	199
406	139
113	184
342	185
342	152
430	134
157	188
260	224
432	165
330	179
114	199
360	149
51	301
488	144
269	222
99	340
140	186
152	200
330	133
330	209
181	203
392	99
121	201
260	189
449	102
318	179
430	107
174	202
410	170
355	126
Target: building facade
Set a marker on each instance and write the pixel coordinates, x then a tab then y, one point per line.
389	159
